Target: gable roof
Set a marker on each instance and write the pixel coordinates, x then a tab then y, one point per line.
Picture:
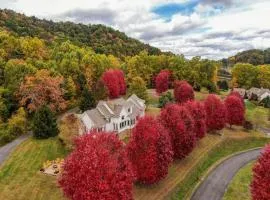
113	108
96	117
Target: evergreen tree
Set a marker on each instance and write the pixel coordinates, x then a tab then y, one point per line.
44	123
87	100
165	99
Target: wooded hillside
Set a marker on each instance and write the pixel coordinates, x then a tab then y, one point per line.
100	38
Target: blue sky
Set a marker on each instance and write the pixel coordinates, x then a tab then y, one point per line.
208	28
167	10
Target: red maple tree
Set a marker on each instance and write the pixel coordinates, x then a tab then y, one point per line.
183	91
260	186
114	81
236	94
162	81
215	113
150	150
180	124
98	168
235	110
121	80
198	113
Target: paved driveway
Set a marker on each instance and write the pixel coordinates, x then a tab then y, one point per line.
215	185
8	148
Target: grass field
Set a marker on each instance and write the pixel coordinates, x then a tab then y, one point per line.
239	188
20	178
257	114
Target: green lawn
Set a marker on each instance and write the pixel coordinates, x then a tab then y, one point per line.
239	188
257	114
20	178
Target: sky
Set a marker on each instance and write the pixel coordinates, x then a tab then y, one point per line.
211	29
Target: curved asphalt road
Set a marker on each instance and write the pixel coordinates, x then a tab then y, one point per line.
8	148
215	185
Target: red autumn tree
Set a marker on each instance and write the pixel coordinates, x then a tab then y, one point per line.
114	81
121	80
42	89
260	186
183	91
98	168
150	151
236	94
215	113
180	124
198	113
235	110
162	81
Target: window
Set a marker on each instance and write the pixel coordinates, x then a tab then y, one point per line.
128	109
123	117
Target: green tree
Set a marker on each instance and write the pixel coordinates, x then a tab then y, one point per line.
15	72
138	87
44	123
245	75
70	88
17	124
87	100
264	76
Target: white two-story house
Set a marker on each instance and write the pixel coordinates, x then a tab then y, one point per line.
114	115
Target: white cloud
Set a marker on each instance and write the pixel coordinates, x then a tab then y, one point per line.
215	29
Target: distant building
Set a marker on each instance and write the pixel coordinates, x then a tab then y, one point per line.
257	94
114	115
241	91
264	94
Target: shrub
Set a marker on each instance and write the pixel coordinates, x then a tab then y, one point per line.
260	186
44	123
198	113
235	110
17	124
247	125
150	150
69	128
180	124
215	113
183	92
98	168
223	85
165	99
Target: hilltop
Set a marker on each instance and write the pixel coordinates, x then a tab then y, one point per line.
100	38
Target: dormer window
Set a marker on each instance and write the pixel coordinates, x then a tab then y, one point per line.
123	117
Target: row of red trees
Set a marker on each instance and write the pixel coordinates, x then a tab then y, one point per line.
102	167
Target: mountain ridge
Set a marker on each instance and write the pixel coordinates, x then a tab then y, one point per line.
102	39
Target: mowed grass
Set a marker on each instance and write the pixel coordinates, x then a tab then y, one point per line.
257	114
20	178
239	187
